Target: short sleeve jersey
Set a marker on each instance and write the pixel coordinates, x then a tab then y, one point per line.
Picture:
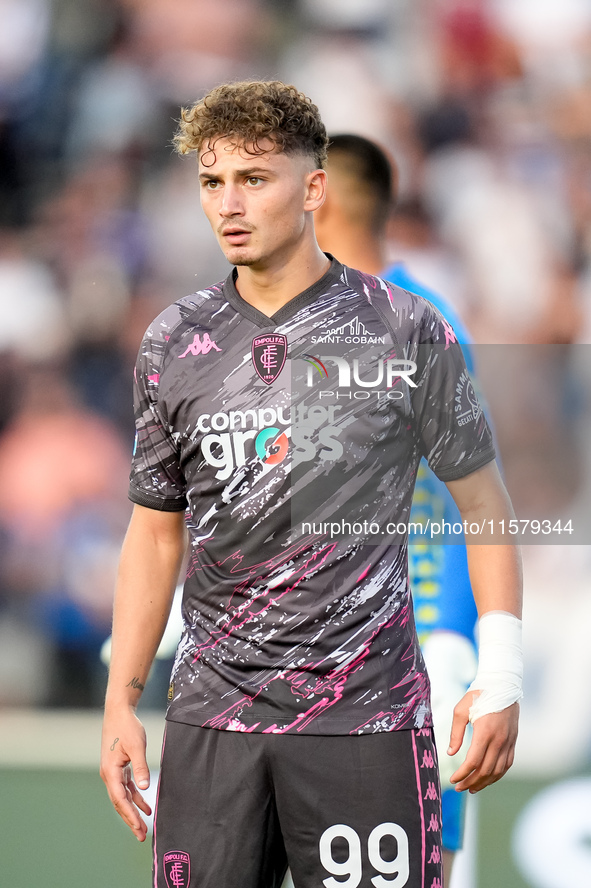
440	582
293	444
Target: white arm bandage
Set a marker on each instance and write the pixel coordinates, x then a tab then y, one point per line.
500	664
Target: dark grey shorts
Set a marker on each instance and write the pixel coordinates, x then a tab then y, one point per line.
235	809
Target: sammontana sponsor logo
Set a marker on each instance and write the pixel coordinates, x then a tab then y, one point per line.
353	332
231	439
467	406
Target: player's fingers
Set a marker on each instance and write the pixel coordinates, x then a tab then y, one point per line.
138	799
458	727
510	757
117	783
484	776
491	768
456	737
472	762
141	772
493	739
127	811
130	815
467	767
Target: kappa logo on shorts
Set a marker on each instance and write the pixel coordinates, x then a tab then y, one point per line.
428	760
431	793
177	869
433	824
435	855
268	355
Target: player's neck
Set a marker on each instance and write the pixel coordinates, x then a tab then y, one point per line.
271	287
357	248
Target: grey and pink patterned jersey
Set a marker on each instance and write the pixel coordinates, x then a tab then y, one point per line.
293	444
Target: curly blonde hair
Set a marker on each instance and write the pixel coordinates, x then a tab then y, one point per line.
252	111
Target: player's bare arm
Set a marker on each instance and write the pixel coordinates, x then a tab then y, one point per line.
495	574
148	570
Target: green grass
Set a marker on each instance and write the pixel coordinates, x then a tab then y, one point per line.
58	830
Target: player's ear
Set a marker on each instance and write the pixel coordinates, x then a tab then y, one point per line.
315	190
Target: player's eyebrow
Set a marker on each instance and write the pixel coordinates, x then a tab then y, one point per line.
241	174
252	171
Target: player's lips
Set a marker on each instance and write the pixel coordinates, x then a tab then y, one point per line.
235	235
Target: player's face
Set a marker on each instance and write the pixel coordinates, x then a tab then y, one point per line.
259	205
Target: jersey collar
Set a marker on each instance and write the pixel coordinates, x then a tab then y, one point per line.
292	307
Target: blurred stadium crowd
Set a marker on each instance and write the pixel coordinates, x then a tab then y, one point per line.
486	106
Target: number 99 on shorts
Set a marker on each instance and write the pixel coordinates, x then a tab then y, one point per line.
342	855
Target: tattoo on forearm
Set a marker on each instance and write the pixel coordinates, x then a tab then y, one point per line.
114	743
135	683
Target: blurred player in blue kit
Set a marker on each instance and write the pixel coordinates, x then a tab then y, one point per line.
352	225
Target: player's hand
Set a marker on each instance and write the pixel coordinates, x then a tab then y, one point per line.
451	664
492	749
123	749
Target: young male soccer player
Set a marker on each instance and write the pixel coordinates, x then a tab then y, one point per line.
298	728
352	224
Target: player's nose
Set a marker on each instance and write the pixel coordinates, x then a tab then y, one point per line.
232	203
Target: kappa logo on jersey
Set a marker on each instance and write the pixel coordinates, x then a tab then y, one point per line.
450	336
200	346
268	355
177	869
